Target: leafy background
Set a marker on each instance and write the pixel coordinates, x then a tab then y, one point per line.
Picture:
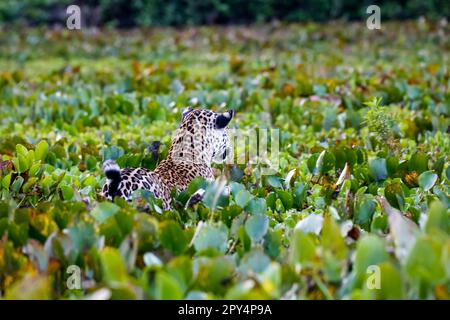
363	177
144	13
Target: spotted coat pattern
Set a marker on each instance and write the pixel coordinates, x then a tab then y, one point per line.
201	139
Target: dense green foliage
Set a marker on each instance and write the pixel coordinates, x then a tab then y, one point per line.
127	13
363	117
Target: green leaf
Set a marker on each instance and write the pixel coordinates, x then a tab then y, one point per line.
272	279
115	229
214	196
370	250
17	184
146	228
215	273
166	287
418	162
394	194
213	236
361	155
82	235
113	267
91	162
229	213
67	192
30	287
321	163
257	206
18	233
243	198
180	268
172	237
379	222
104	210
427	180
311	163
286	198
272	243
41	150
30	158
332	239
30	182
254	262
437	218
300	193
303	249
271	200
21	150
364	213
327	163
236	188
391	284
350	157
392	165
4	209
425	262
6	181
378	169
35	170
256	227
20	163
340	157
274	182
438	166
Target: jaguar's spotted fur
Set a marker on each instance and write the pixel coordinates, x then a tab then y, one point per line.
201	139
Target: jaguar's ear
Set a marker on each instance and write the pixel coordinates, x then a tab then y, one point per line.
185	112
223	119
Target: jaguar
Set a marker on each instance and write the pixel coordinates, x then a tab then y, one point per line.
201	139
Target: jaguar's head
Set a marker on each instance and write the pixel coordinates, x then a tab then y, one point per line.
202	136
